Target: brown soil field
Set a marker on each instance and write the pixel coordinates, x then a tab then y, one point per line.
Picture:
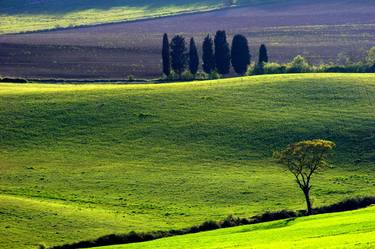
319	31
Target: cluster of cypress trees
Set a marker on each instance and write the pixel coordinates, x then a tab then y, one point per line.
176	57
217	56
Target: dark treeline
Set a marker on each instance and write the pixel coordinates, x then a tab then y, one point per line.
218	57
13	80
230	221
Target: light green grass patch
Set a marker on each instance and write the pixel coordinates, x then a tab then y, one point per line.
27	15
353	229
21	15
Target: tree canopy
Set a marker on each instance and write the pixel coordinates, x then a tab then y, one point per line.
222	52
240	54
263	54
178	54
208	56
193	57
166	56
303	160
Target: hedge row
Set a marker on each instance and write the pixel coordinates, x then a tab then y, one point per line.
230	221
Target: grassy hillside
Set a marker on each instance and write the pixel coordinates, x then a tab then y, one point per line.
338	230
20	16
30	15
81	161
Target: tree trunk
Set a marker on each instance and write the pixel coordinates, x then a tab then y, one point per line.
308	201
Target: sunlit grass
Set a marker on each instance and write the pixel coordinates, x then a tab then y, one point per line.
14	23
81	161
20	16
339	230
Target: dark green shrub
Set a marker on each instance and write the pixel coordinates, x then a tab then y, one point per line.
271	216
187	76
13	80
352	68
230	221
258	69
201	76
209	225
298	65
274	68
346	205
214	75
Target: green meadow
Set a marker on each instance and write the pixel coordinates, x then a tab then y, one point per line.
81	161
28	15
23	15
339	230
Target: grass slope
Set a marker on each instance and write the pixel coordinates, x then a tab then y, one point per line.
29	15
338	230
81	161
20	16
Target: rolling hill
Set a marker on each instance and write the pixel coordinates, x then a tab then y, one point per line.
31	15
339	230
81	161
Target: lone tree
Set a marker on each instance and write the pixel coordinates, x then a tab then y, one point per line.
263	55
240	54
303	160
222	53
166	56
193	57
178	54
208	56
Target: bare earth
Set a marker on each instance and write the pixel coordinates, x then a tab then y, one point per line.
318	31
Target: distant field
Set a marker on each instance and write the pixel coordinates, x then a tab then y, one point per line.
81	161
30	15
339	230
119	50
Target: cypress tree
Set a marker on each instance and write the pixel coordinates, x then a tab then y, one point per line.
208	56
263	55
240	54
178	54
222	53
193	57
263	58
166	56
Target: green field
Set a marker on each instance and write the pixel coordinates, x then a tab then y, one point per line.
21	16
339	230
28	15
81	161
